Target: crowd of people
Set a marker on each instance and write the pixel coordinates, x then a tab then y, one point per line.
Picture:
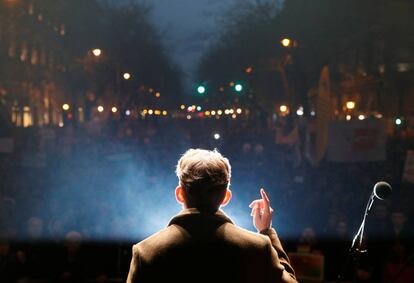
73	199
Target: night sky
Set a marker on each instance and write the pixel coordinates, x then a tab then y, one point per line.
188	27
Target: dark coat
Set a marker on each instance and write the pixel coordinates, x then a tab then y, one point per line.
200	247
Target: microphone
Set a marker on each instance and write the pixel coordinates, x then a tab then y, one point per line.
382	190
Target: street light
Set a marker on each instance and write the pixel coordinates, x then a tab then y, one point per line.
283	108
350	105
100	108
65	107
114	109
286	42
127	76
97	52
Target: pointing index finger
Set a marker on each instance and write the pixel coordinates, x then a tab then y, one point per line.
265	197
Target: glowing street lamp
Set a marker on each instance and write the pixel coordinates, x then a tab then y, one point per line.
65	107
283	108
350	105
127	76
97	52
286	42
114	109
100	108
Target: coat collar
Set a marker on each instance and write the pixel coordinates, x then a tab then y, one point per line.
189	215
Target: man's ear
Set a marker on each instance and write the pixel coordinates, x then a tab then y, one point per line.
179	195
227	198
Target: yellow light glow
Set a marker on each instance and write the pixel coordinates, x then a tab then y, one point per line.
97	52
219	112
350	105
150	90
283	108
157	112
207	113
182	106
348	117
361	117
213	112
227	111
286	42
164	113
239	111
158	94
127	76
65	107
150	112
114	109
231	111
100	108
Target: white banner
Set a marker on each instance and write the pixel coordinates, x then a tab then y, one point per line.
408	175
356	141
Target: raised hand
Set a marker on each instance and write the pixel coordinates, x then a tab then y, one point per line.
262	212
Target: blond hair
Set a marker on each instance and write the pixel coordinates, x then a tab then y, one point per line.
204	175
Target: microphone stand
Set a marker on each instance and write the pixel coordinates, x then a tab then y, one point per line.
356	248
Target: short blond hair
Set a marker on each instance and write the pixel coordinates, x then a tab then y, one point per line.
204	175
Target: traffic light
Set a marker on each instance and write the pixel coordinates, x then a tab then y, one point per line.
238	87
201	89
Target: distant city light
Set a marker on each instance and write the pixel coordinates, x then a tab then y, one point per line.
300	111
158	94
128	112
239	111
286	42
283	108
213	112
198	108
350	105
65	107
127	76
231	111
219	112
157	112
97	52
150	111
182	107
164	113
361	117
348	117
249	70
378	116
216	136
398	121
207	113
227	111
80	109
190	108
100	108
114	109
234	116
188	117
313	113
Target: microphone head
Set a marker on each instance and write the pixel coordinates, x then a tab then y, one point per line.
382	190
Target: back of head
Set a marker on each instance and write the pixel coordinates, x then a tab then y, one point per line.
204	176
